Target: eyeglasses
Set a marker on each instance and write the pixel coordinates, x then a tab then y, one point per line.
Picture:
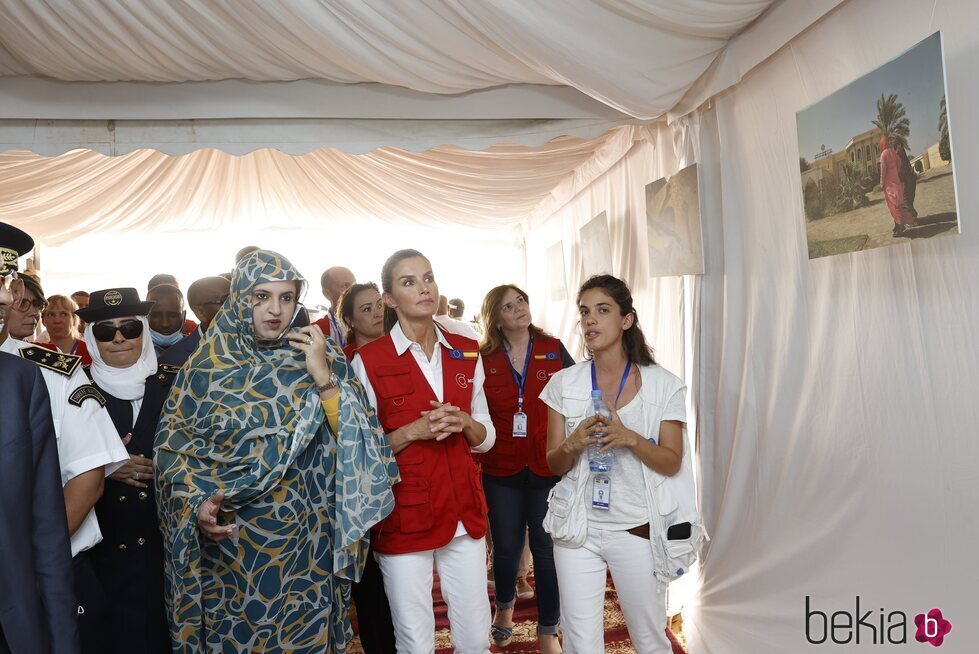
24	305
105	332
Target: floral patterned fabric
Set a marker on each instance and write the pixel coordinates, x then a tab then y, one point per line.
246	420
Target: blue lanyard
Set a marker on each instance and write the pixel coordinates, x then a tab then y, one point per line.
520	381
625	376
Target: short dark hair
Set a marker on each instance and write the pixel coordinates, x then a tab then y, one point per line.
166	289
80	294
161	279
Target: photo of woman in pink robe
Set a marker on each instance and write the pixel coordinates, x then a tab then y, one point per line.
893	188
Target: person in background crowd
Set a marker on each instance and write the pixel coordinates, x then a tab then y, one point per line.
427	388
35	568
24	316
334	281
451	325
205	297
167	317
81	299
519	359
270	471
361	310
61	324
166	279
457	308
88	451
244	252
621	515
129	561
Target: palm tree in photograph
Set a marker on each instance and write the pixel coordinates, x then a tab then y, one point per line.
944	145
892	121
852	184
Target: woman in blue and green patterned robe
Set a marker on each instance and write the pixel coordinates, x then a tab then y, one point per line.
246	429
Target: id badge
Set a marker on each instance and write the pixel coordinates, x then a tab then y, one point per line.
520	425
601	495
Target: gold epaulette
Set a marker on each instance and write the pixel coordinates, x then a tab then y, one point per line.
66	364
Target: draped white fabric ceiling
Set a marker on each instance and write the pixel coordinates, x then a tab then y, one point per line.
58	199
638	56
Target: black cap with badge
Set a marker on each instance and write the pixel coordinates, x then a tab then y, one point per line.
114	303
14	243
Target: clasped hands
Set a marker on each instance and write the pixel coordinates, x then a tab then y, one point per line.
438	423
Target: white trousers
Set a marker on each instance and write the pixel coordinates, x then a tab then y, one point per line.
408	583
581	575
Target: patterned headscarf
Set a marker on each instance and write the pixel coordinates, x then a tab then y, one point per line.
238	416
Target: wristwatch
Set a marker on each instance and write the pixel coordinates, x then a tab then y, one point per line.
330	384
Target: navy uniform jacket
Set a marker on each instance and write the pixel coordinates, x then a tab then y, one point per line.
129	560
37	599
178	353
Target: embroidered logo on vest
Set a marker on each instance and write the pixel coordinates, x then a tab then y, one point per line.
462	381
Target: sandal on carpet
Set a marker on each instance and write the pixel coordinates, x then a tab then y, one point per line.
501	635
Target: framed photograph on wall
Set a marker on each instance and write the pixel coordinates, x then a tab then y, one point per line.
875	158
673	231
557	286
596	247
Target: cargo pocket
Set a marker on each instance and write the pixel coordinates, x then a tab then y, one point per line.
413	508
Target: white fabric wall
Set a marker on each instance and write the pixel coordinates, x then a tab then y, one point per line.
617	188
836	396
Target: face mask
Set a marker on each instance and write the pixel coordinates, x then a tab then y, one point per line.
165	340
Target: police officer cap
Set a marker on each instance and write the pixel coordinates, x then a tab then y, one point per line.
114	303
14	243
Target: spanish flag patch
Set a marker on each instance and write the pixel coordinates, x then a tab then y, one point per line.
464	354
550	356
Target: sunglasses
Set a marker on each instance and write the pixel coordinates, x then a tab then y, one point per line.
105	332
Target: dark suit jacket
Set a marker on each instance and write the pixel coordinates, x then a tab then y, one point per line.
37	599
178	353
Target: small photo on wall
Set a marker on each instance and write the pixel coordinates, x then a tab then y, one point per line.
596	247
673	230
557	287
875	158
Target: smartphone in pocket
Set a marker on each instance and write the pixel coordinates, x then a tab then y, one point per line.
679	531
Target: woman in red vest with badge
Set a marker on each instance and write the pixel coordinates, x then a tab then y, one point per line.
361	312
427	388
519	359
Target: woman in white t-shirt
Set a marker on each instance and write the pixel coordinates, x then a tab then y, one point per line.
617	520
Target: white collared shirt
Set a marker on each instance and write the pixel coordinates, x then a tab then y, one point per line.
432	371
86	437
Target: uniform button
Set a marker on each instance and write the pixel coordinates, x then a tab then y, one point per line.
122	498
161	377
122	547
141	541
143	495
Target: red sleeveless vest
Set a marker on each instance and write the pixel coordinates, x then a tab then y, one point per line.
511	455
440	481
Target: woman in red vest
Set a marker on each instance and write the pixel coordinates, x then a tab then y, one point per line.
519	359
427	387
361	312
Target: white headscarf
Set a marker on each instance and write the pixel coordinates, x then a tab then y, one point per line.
123	383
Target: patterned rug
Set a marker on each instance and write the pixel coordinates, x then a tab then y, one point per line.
525	626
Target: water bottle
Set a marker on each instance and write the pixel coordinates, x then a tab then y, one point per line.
599	461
